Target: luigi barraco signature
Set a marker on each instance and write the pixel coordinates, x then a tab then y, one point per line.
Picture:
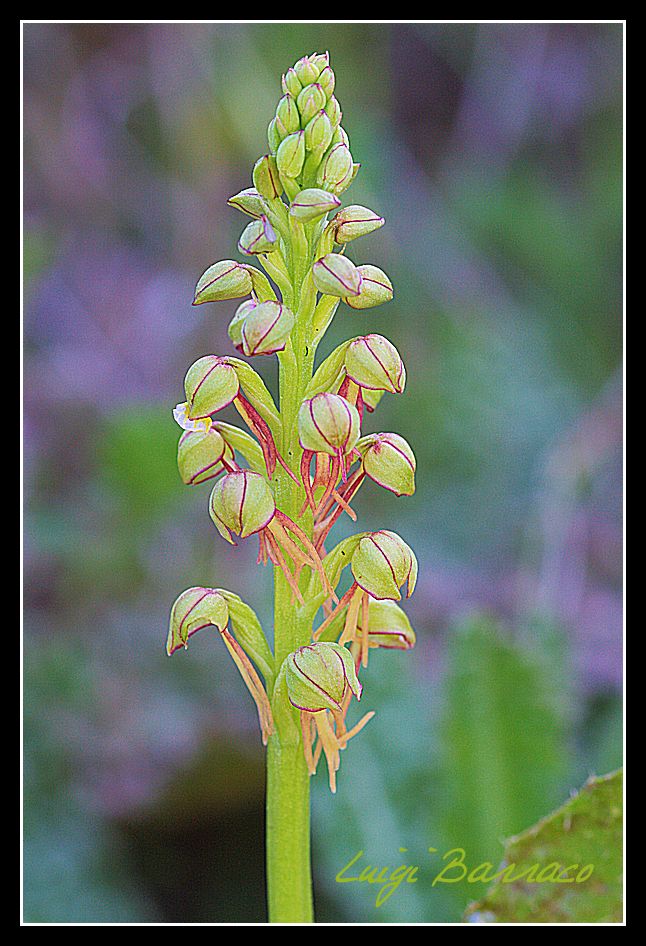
457	870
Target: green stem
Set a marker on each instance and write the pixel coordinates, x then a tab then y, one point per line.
289	881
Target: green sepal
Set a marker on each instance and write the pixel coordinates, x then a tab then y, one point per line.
249	633
257	393
243	443
328	371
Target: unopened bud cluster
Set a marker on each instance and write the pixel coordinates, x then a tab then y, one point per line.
294	472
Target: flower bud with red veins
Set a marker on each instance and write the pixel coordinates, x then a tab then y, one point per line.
307	70
249	201
241	503
318	677
388	626
333	112
291	155
196	608
266	329
313	203
224	280
336	275
287	117
327	81
200	455
257	237
291	83
389	461
354	221
376	288
210	384
373	362
318	133
381	563
265	177
310	100
336	168
234	330
327	423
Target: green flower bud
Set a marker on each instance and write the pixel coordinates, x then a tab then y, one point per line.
336	168
210	385
266	329
306	70
265	177
388	626
333	112
291	154
224	280
354	221
235	325
327	423
320	60
199	455
340	137
381	563
287	117
257	237
291	83
241	503
313	203
371	361
327	81
318	133
249	202
310	100
195	609
273	137
376	288
336	275
318	676
389	461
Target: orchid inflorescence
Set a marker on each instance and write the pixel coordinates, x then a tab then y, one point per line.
312	449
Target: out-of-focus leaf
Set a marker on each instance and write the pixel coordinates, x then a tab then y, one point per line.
587	830
137	456
504	752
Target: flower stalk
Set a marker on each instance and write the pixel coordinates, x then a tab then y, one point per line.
289	479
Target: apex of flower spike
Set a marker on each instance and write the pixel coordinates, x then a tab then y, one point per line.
195	609
224	280
241	503
318	676
382	562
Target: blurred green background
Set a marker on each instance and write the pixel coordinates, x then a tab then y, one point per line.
495	154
